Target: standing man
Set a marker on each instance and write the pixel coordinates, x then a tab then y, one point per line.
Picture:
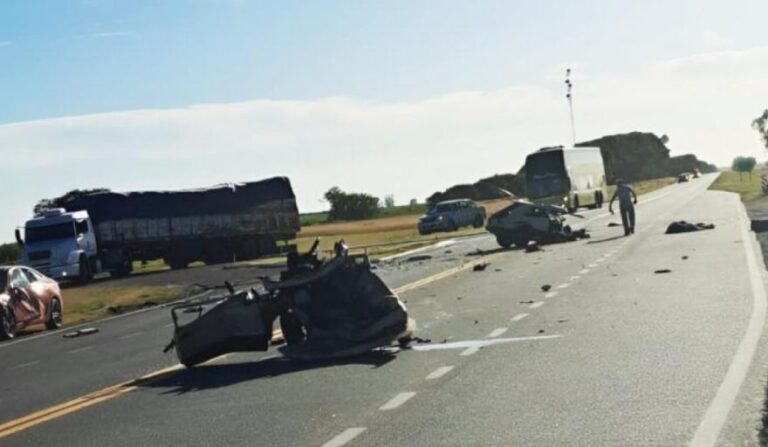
625	193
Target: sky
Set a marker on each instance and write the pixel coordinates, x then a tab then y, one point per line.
396	97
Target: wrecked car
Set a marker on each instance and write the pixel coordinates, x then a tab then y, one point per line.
524	221
327	309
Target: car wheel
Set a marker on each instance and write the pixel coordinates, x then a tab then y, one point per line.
452	226
7	324
292	328
478	221
55	315
505	243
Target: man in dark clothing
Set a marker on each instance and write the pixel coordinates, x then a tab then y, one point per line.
625	193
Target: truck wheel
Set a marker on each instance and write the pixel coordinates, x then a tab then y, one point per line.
478	221
7	324
55	316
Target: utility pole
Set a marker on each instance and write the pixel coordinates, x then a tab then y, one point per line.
569	96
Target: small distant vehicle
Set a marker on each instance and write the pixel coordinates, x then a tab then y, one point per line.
696	173
682	177
573	177
451	215
524	221
27	297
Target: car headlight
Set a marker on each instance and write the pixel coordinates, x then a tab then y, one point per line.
439	218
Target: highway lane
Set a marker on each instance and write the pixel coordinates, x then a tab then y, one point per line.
618	353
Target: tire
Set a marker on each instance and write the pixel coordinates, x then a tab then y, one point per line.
291	327
575	206
522	237
7	324
176	263
478	221
598	199
504	243
55	315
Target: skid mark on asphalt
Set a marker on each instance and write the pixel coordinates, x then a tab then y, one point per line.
439	372
345	436
397	401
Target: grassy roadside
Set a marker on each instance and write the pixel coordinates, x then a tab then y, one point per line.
746	186
82	304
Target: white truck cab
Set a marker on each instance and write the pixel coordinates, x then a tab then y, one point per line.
60	244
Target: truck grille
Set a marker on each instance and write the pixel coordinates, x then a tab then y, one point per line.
39	255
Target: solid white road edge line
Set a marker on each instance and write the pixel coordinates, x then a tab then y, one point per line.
717	413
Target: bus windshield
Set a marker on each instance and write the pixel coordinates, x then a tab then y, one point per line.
545	174
49	232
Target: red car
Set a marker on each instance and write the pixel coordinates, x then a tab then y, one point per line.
27	297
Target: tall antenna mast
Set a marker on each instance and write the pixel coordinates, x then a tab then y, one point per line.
569	96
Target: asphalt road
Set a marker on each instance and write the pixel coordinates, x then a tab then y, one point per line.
613	354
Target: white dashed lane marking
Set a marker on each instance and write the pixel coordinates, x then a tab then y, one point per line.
345	436
575	277
584	272
564	285
498	332
592	266
551	295
439	372
135	334
519	317
536	305
469	351
24	365
83	349
397	401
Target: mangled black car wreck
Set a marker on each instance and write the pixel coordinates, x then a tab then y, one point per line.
327	309
524	221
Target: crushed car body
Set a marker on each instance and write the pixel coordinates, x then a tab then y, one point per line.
327	309
524	221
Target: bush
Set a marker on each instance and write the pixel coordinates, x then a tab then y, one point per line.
351	206
9	253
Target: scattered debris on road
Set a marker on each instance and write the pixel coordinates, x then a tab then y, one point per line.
541	331
532	246
417	258
564	320
527	302
686	227
497	270
614	224
546	287
480	267
684	258
79	332
663	271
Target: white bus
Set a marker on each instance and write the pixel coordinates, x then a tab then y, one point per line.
573	177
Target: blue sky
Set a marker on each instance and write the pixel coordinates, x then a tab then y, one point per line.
142	94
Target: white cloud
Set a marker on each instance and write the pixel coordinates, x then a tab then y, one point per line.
705	103
714	39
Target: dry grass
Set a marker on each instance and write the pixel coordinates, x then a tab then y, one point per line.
90	303
748	187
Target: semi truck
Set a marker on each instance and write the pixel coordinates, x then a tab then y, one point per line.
108	231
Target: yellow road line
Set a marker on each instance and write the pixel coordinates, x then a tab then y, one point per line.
80	403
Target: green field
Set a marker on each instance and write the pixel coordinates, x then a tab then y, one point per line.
745	185
309	219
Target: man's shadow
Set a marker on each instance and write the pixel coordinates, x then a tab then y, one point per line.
600	241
